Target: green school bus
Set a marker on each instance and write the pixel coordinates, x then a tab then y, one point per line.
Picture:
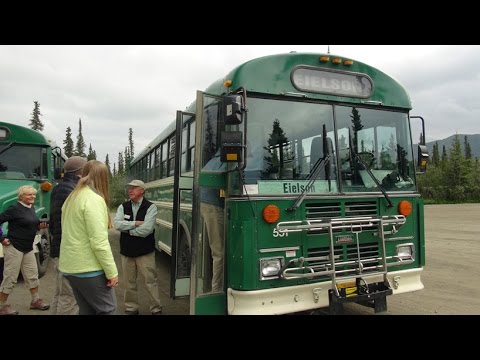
27	157
313	159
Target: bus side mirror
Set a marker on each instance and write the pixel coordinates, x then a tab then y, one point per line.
422	158
233	109
231	149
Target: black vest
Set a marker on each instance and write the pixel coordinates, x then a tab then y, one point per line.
134	246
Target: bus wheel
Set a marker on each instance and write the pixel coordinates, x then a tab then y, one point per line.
43	254
183	259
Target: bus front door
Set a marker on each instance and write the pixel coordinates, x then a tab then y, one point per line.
207	288
182	205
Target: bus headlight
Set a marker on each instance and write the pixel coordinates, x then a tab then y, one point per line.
405	252
270	267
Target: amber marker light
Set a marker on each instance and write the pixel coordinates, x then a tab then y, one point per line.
227	83
324	58
46	186
336	60
348	62
404	208
271	214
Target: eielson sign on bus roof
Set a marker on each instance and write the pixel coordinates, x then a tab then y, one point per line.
332	82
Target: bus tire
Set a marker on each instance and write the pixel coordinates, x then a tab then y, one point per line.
43	254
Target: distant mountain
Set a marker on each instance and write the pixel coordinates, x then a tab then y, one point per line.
473	140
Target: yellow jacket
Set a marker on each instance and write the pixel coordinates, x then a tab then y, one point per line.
85	247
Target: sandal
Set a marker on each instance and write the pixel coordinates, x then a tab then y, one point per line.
8	310
39	305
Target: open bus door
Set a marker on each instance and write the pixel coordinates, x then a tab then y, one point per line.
204	298
182	204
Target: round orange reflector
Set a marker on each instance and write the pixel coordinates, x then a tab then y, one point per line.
405	208
347	62
336	60
46	186
324	58
227	83
271	213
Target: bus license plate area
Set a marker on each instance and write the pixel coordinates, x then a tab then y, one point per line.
347	289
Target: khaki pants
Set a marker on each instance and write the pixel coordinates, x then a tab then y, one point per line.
145	265
63	302
14	262
213	216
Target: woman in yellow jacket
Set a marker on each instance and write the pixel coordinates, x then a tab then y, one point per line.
86	257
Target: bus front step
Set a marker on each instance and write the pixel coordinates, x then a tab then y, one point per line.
374	296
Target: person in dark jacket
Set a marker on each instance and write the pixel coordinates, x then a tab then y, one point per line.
19	254
63	302
135	219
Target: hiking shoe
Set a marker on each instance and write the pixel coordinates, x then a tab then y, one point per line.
39	305
8	310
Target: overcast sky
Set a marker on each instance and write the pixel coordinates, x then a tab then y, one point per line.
113	88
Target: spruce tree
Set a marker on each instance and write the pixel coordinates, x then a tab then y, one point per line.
121	163
130	143
444	159
35	122
68	143
107	164
435	156
468	149
80	147
91	153
127	157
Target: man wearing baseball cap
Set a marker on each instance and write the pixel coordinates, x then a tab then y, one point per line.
135	219
63	302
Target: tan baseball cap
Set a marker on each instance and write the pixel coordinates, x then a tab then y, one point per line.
138	183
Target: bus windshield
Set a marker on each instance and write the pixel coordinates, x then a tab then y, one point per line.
23	162
288	140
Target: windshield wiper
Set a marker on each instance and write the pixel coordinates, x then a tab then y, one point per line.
7	147
369	172
321	162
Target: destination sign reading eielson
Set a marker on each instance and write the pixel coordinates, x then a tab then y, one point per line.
332	82
295	187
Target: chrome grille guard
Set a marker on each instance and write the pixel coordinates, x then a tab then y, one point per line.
355	268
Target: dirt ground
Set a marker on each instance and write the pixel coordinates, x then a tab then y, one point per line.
452	273
451	276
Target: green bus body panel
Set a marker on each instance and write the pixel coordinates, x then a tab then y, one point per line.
23	135
214	304
271	75
421	229
244	243
213	180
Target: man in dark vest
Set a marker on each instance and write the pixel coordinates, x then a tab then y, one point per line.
63	302
135	219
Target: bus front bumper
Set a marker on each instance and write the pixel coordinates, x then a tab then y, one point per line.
312	296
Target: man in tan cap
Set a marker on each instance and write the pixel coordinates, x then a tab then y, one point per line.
135	219
63	302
